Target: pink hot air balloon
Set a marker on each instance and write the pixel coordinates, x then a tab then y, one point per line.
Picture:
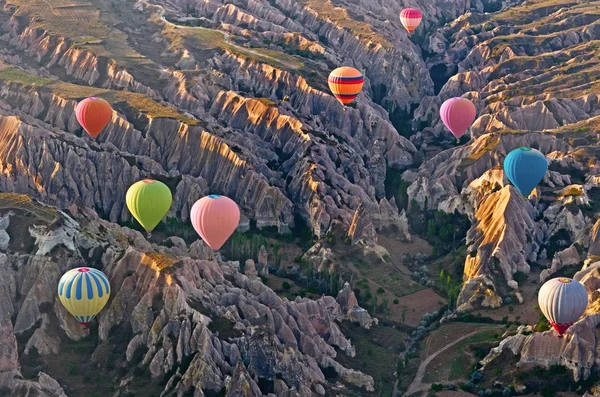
411	18
215	218
458	114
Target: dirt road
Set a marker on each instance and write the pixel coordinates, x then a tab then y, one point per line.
416	386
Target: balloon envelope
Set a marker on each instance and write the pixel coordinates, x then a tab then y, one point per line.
345	83
525	168
84	291
410	18
149	201
93	114
215	218
458	114
563	301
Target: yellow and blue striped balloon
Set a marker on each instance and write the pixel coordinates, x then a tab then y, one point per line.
84	291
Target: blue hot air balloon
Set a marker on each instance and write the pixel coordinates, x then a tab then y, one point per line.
525	168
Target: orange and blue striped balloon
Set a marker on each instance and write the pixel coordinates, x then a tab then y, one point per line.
345	83
84	292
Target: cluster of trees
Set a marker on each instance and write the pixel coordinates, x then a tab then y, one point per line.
444	231
452	289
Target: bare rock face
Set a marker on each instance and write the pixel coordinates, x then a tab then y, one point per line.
594	244
353	312
448	173
566	257
241	384
228	329
577	350
503	237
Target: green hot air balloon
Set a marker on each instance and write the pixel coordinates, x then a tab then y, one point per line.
149	201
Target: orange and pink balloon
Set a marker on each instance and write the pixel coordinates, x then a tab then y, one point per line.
458	114
410	18
215	218
93	114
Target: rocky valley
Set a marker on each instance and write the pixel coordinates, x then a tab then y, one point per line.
376	254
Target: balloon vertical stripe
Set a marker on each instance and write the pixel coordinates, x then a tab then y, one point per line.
98	285
78	286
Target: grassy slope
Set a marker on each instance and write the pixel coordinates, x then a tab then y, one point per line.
140	102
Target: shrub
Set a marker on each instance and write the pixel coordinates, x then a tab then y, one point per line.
437	387
73	370
380	290
396	301
519	277
467	386
286	286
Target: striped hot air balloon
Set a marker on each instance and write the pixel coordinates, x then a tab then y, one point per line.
563	301
345	83
410	18
84	292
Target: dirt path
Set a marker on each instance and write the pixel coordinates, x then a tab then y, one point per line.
416	385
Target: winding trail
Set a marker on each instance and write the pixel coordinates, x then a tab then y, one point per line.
417	385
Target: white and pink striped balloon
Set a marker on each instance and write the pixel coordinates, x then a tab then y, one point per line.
410	18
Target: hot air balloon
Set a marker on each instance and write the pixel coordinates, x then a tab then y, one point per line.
84	291
345	83
410	18
457	115
525	168
563	301
215	218
149	201
93	114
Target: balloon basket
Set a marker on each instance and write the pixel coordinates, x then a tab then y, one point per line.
149	235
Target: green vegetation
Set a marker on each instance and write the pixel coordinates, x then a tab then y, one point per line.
548	382
444	231
201	38
452	289
520	277
243	246
373	354
11	74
